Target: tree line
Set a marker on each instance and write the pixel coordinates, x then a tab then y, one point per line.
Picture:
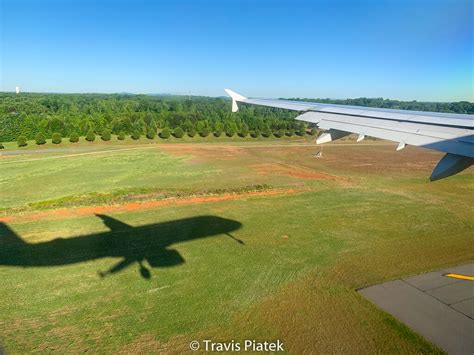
42	116
28	115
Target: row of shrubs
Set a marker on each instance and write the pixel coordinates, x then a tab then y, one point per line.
164	134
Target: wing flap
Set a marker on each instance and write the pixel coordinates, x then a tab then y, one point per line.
443	145
446	139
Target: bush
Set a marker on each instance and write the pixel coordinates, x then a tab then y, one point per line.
267	132
165	133
178	132
40	140
255	134
290	132
1	146
280	133
90	137
74	137
204	132
22	141
135	135
230	132
218	133
121	136
191	133
56	138
151	133
301	131
106	135
314	131
244	132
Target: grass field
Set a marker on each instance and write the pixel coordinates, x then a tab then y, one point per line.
146	247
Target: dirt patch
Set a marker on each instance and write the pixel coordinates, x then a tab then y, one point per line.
206	152
133	206
291	170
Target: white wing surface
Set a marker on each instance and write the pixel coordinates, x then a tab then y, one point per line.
445	132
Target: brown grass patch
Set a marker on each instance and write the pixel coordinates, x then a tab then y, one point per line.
206	152
291	170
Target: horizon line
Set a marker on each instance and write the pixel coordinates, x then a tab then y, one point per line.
221	96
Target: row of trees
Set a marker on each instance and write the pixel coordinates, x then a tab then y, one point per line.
30	114
165	133
56	138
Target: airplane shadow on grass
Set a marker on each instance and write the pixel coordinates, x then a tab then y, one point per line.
149	243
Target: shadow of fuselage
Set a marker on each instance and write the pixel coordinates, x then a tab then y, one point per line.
132	244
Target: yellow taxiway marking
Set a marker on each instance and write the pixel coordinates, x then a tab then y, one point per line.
462	277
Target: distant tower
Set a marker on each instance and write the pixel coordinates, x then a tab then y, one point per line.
17	89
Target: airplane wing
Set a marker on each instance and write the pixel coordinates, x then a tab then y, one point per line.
446	132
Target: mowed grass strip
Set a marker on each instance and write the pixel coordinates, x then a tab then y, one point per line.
121	199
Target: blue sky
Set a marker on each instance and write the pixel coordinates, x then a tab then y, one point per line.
398	49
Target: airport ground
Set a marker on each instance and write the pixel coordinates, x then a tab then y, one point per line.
287	240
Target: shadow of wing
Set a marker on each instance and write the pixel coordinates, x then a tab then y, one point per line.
164	258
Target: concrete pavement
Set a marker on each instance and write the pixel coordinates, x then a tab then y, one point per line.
438	307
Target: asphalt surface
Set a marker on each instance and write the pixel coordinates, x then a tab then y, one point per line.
438	307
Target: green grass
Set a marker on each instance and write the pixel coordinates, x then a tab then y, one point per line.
293	279
48	179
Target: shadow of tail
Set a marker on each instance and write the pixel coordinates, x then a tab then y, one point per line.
9	237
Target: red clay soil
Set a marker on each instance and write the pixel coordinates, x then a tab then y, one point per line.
133	206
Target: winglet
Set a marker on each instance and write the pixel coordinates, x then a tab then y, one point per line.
235	97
